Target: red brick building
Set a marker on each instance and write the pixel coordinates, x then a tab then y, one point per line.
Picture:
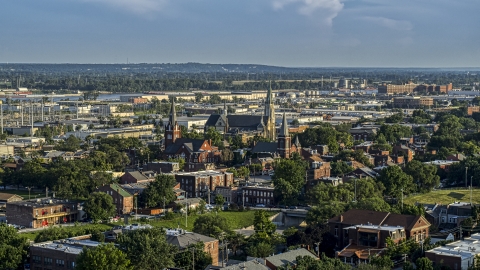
122	199
198	184
253	195
198	154
38	213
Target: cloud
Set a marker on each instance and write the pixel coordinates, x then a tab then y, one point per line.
135	6
389	23
328	9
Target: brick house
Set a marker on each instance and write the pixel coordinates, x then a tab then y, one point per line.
122	199
38	213
361	233
254	195
182	239
198	184
416	227
59	254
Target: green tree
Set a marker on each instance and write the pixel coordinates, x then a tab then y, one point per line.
210	225
147	248
219	200
159	191
198	97
288	180
235	241
395	180
215	136
424	175
193	254
99	206
260	250
424	264
340	168
320	214
13	248
103	257
262	223
381	262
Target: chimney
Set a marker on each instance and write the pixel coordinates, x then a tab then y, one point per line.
341	218
210	142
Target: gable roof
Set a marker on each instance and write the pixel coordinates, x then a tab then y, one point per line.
139	176
358	216
246	121
289	257
265	147
192	145
212	120
7	196
185	239
120	190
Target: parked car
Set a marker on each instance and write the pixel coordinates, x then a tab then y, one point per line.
260	205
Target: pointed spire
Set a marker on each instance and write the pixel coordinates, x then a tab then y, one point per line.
225	108
297	142
284	128
173	113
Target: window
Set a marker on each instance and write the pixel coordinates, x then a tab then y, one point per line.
47	261
70	265
60	263
336	231
36	259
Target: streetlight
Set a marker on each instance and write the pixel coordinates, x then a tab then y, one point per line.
471	189
466	173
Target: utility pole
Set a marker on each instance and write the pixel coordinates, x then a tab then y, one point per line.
466	173
318	249
186	210
243	195
29	192
46	192
208	193
471	189
402	198
355	200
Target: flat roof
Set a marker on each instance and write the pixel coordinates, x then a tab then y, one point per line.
42	202
70	245
466	249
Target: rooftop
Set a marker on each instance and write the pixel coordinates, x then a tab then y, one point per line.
70	245
41	202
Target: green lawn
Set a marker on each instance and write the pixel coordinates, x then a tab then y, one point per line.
445	196
236	220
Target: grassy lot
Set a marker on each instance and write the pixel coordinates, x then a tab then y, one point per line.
236	220
445	196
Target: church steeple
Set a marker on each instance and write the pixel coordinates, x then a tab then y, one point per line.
225	111
269	112
172	129
173	114
284	128
284	141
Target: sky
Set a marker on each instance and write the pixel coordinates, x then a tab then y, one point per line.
293	33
